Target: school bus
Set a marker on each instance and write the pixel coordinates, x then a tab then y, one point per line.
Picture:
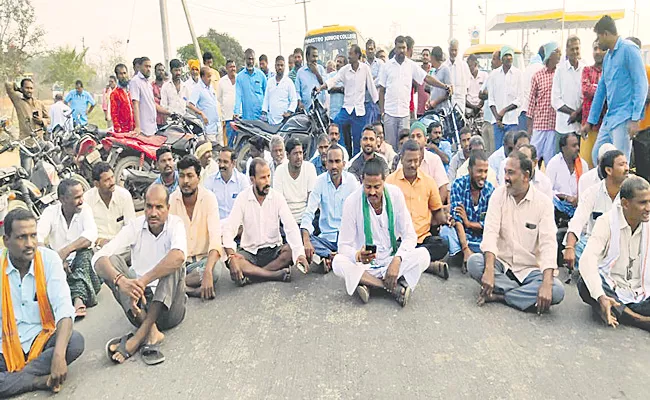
333	40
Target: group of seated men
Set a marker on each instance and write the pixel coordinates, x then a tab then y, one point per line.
401	219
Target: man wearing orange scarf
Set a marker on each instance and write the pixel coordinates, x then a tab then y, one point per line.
38	342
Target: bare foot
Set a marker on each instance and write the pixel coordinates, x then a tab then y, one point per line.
155	336
40	382
493	298
54	389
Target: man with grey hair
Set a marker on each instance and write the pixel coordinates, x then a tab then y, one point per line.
460	75
615	278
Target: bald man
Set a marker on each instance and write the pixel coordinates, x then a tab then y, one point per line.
152	291
203	101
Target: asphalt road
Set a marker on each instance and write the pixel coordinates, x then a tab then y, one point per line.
308	339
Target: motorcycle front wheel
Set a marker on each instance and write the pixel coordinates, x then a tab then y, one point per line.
243	154
131	162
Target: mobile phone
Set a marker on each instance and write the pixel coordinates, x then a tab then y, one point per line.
372	248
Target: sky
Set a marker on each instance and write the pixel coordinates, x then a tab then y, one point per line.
138	21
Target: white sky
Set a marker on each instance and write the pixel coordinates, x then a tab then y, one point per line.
250	21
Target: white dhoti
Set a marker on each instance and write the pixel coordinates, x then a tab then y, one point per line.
413	265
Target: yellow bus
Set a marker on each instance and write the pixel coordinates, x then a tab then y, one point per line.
333	40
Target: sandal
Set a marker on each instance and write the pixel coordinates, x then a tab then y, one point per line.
243	282
463	268
402	293
80	312
121	348
287	275
364	293
151	354
441	269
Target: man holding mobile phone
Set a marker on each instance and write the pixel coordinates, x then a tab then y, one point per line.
369	254
31	113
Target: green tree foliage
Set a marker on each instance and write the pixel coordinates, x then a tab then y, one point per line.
230	47
66	65
20	37
188	52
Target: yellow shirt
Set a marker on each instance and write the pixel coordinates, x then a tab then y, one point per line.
422	197
214	82
204	229
645	122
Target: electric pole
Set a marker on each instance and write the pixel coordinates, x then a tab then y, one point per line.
194	39
304	7
278	20
451	20
165	30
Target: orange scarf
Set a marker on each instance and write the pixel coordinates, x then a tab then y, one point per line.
578	167
11	348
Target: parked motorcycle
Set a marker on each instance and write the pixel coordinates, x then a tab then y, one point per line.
80	148
452	122
16	191
306	126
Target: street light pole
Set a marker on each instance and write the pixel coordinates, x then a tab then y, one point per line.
304	7
451	20
165	30
485	24
278	20
191	27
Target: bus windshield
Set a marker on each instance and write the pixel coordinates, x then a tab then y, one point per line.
331	44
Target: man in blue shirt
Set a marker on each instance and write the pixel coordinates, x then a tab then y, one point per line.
328	196
227	183
23	265
203	101
623	84
79	100
165	164
309	77
250	87
320	158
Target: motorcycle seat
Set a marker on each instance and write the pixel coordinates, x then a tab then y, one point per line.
263	126
151	140
140	174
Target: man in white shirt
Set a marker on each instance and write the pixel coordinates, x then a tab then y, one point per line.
208	165
356	78
334	133
173	94
295	180
369	255
592	177
460	75
60	114
226	99
495	63
260	210
539	179
69	229
152	291
195	70
536	63
505	96
593	203
564	170
112	205
520	138
431	163
615	264
395	82
477	79
566	96
280	99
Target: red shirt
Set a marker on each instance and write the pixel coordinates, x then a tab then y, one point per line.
160	119
590	77
540	108
122	111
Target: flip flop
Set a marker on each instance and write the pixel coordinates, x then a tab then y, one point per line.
151	354
287	275
364	293
442	269
80	313
121	348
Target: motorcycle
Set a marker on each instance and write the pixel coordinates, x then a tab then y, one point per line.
452	122
306	126
80	148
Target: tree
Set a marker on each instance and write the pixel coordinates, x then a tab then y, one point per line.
20	37
230	47
65	65
188	52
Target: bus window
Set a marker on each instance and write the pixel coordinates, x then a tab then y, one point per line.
331	44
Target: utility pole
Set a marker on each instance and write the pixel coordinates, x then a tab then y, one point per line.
634	20
451	20
278	20
304	7
194	39
165	30
485	25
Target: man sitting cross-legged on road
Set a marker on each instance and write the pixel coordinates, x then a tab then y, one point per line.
615	266
38	342
152	291
375	217
424	204
519	244
197	207
260	209
329	194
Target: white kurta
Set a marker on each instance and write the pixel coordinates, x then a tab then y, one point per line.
352	239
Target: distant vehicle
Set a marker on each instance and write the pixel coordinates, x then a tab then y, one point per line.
57	88
483	53
333	40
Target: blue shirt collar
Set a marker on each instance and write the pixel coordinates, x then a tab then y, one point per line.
11	268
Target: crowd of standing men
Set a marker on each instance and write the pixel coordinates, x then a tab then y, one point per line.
410	205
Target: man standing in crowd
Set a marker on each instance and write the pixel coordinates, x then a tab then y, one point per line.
541	115
260	210
438	96
121	105
422	91
623	85
460	75
264	65
106	98
519	245
369	254
477	79
165	164
375	63
69	229
337	92
226	99
564	170
208	61
156	85
368	152
31	113
174	95
309	77
535	64
424	205
228	183
590	77
250	87
152	291
295	180
111	205
356	78
295	63
505	95
280	100
614	266
203	101
395	87
566	96
81	102
195	69
495	63
137	65
330	192
144	105
36	351
60	114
